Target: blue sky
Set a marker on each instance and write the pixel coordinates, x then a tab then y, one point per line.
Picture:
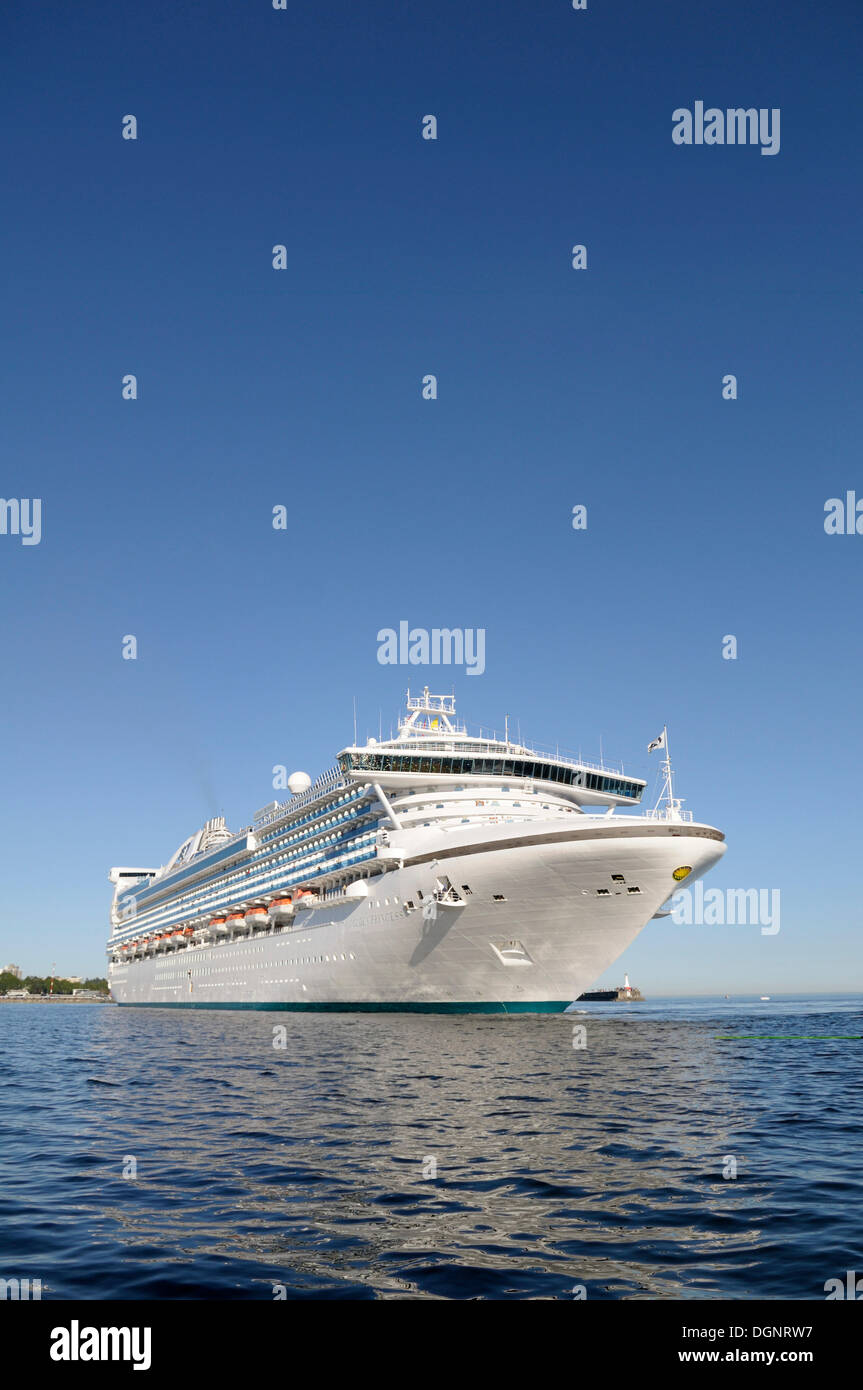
556	387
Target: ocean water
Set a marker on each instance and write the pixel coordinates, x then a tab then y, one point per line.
425	1156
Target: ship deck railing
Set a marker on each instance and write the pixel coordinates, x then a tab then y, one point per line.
499	748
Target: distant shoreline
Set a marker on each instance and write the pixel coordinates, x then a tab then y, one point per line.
55	999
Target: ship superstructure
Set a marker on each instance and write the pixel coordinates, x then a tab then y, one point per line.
434	870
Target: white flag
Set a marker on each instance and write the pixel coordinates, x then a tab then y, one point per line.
657	742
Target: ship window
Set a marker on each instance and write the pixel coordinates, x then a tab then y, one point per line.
603	892
465	889
499	898
633	890
617	878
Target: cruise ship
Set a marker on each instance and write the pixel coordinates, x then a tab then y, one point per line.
437	870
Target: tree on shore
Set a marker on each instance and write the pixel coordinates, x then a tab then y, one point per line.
38	984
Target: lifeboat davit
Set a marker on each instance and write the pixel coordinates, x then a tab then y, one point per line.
257	916
236	921
281	910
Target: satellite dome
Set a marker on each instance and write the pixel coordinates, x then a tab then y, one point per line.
299	782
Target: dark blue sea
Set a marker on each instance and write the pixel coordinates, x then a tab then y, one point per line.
425	1156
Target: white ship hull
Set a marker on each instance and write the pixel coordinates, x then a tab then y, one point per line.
547	912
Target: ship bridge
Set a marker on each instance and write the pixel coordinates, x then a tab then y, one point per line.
431	747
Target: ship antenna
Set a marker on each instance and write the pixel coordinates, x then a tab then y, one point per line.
672	806
669	785
355	721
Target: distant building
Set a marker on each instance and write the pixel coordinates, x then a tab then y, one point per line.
12	970
70	979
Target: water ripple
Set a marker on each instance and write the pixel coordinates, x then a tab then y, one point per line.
154	1154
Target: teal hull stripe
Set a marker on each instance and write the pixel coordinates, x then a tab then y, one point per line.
542	1007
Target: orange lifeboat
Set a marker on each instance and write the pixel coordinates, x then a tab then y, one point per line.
236	921
256	916
188	931
218	924
281	909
